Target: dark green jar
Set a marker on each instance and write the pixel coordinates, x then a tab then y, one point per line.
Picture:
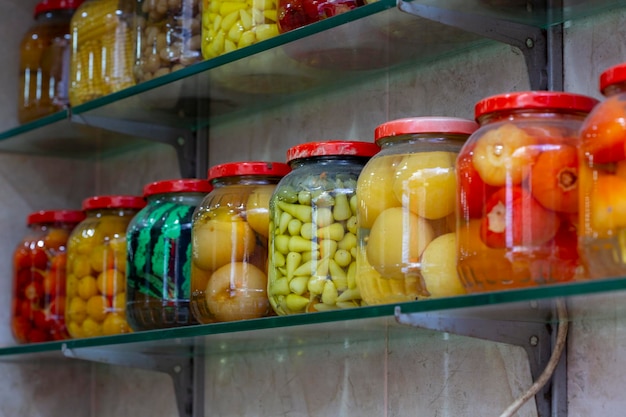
159	255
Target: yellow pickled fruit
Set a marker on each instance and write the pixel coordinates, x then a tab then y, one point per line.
87	287
101	258
216	242
374	189
97	307
237	291
111	282
77	310
425	182
439	267
396	242
257	209
115	324
375	289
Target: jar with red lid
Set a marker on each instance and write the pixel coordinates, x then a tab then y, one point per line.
313	226
229	242
158	252
603	179
45	60
96	267
406	199
518	187
38	313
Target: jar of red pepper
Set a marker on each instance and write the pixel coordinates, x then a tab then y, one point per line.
518	188
38	313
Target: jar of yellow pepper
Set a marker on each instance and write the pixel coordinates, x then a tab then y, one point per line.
103	49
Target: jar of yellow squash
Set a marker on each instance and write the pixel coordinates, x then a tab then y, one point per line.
407	211
103	49
96	267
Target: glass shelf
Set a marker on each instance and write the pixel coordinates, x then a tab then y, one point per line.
335	326
341	51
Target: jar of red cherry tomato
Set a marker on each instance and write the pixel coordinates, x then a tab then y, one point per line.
229	236
518	186
38	313
293	14
96	267
406	214
312	242
603	179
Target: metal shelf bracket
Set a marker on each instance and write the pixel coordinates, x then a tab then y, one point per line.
186	371
189	146
542	49
536	337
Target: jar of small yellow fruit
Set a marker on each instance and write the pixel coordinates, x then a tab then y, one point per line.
96	267
103	49
229	235
407	211
312	242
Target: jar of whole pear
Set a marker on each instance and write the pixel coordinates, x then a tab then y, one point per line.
38	313
96	267
45	60
313	226
158	267
103	49
603	179
229	242
518	188
406	214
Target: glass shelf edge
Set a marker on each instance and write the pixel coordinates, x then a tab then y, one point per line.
451	305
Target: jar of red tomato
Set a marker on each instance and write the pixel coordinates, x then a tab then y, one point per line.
603	179
38	313
518	191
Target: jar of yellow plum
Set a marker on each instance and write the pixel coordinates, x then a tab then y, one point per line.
603	179
96	267
229	236
229	25
312	242
103	49
407	211
518	191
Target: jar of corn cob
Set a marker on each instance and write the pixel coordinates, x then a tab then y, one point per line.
168	36
103	43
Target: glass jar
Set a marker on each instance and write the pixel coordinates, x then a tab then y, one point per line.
45	61
518	191
293	14
38	313
406	199
231	25
158	267
168	36
312	242
603	179
229	242
103	49
96	267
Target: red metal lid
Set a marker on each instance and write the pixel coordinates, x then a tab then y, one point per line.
50	5
332	147
534	100
231	169
55	216
612	75
114	201
185	185
409	125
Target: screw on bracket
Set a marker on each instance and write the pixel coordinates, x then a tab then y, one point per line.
534	340
530	43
